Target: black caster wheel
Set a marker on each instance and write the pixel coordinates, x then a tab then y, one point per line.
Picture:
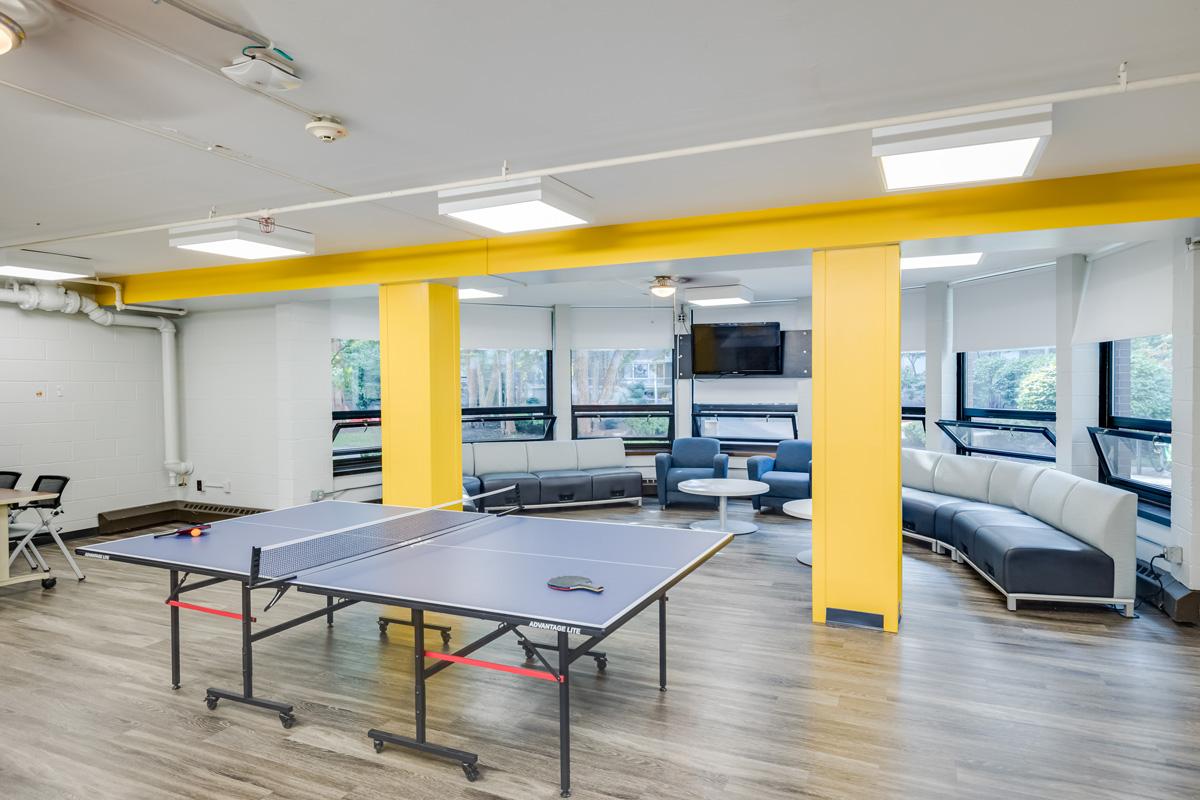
48	583
286	720
175	686
382	628
471	771
378	745
445	638
529	652
601	664
84	578
211	702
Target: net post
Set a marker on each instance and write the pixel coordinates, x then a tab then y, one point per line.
255	564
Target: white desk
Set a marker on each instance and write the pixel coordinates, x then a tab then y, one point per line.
800	509
724	488
16	497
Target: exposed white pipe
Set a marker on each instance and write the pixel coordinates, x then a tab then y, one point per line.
52	297
1120	86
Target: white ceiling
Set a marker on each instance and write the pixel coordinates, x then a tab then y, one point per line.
443	91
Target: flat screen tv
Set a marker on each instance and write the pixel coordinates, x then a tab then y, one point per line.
737	348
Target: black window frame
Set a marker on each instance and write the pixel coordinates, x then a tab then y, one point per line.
541	413
787	411
356	460
966	449
647	444
1153	503
975	416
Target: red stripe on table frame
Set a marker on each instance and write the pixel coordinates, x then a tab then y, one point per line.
474	662
207	610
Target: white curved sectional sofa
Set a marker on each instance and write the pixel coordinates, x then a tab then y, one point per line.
1033	532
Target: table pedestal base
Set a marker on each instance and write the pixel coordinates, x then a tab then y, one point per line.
805	557
736	527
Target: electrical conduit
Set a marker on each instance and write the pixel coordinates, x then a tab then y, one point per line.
50	297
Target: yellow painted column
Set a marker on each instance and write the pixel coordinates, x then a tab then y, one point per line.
856	435
419	394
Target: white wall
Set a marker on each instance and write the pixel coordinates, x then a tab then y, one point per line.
256	402
85	401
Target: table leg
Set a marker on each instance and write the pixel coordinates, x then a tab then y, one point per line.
564	715
722	504
662	643
174	631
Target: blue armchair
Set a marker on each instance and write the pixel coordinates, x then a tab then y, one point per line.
789	474
689	459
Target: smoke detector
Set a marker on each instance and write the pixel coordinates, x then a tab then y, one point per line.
326	128
262	73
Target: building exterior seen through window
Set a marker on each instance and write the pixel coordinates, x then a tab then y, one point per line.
623	393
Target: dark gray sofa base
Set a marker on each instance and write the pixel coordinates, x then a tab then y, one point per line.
1019	555
557	488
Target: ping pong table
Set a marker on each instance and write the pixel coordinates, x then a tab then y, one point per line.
466	564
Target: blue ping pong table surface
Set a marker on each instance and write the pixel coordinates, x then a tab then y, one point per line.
494	566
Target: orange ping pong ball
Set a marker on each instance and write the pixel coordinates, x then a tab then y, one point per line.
196	531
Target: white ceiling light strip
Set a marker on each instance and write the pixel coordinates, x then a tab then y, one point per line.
1118	87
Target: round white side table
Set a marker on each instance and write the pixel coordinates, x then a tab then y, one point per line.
724	488
801	509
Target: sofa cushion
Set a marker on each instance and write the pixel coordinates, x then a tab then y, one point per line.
610	482
1031	560
564	486
963	477
468	467
944	516
1004	488
793	456
471	485
792	485
528	484
917	509
598	453
1024	487
1049	495
493	457
551	456
974	516
916	468
1106	518
677	475
695	451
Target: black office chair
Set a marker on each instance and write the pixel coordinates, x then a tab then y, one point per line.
47	512
8	480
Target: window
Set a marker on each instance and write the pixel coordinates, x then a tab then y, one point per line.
506	395
628	394
912	399
750	426
1133	440
1006	403
354	372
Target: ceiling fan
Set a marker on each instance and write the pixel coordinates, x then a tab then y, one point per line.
665	285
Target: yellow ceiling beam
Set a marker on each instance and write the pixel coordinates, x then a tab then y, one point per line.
1111	198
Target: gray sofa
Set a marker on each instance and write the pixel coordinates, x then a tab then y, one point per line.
1032	532
550	473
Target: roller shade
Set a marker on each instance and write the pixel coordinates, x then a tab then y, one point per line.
1007	311
1126	295
912	320
503	327
621	328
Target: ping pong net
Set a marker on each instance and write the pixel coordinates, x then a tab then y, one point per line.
286	560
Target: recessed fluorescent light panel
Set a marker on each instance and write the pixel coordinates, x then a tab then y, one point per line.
528	204
243	238
736	295
933	262
37	266
992	146
467	293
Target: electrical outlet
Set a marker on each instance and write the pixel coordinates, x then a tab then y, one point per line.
1174	554
227	486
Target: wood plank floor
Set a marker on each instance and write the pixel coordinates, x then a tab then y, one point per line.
969	701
